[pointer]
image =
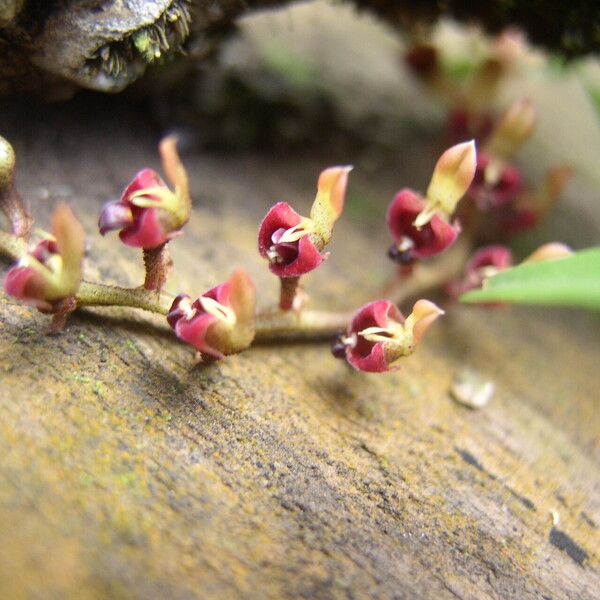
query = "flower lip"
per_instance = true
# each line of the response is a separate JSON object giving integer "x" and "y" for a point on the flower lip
{"x": 410, "y": 242}
{"x": 114, "y": 215}
{"x": 284, "y": 240}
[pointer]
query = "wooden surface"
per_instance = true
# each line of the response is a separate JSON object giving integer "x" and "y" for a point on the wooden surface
{"x": 279, "y": 473}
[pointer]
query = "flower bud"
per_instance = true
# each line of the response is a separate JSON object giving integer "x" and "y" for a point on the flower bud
{"x": 515, "y": 127}
{"x": 149, "y": 214}
{"x": 378, "y": 337}
{"x": 51, "y": 270}
{"x": 219, "y": 322}
{"x": 549, "y": 251}
{"x": 452, "y": 176}
{"x": 412, "y": 243}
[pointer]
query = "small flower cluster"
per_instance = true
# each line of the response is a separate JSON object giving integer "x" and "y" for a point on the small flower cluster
{"x": 467, "y": 82}
{"x": 500, "y": 202}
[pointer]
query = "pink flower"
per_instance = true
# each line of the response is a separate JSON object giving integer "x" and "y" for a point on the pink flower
{"x": 220, "y": 321}
{"x": 412, "y": 243}
{"x": 420, "y": 225}
{"x": 292, "y": 243}
{"x": 378, "y": 336}
{"x": 284, "y": 240}
{"x": 495, "y": 183}
{"x": 486, "y": 262}
{"x": 51, "y": 270}
{"x": 149, "y": 214}
{"x": 532, "y": 206}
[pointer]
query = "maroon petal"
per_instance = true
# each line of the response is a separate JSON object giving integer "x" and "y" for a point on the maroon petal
{"x": 515, "y": 221}
{"x": 25, "y": 283}
{"x": 176, "y": 312}
{"x": 402, "y": 212}
{"x": 308, "y": 258}
{"x": 508, "y": 187}
{"x": 298, "y": 257}
{"x": 44, "y": 249}
{"x": 146, "y": 178}
{"x": 146, "y": 230}
{"x": 114, "y": 215}
{"x": 194, "y": 332}
{"x": 496, "y": 256}
{"x": 373, "y": 362}
{"x": 431, "y": 239}
{"x": 281, "y": 216}
{"x": 502, "y": 192}
{"x": 435, "y": 237}
{"x": 221, "y": 293}
{"x": 366, "y": 355}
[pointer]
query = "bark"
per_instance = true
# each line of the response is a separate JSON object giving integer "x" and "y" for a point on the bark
{"x": 53, "y": 46}
{"x": 279, "y": 473}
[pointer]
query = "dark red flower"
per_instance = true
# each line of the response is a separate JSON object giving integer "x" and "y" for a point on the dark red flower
{"x": 484, "y": 263}
{"x": 284, "y": 240}
{"x": 149, "y": 214}
{"x": 51, "y": 270}
{"x": 410, "y": 242}
{"x": 292, "y": 243}
{"x": 220, "y": 321}
{"x": 495, "y": 184}
{"x": 379, "y": 336}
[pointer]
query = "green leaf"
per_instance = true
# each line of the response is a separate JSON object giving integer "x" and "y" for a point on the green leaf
{"x": 570, "y": 281}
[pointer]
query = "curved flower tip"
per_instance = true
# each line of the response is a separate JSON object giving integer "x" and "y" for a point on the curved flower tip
{"x": 148, "y": 213}
{"x": 285, "y": 240}
{"x": 52, "y": 269}
{"x": 452, "y": 176}
{"x": 328, "y": 204}
{"x": 495, "y": 183}
{"x": 412, "y": 243}
{"x": 331, "y": 189}
{"x": 549, "y": 251}
{"x": 514, "y": 128}
{"x": 219, "y": 322}
{"x": 484, "y": 263}
{"x": 378, "y": 336}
